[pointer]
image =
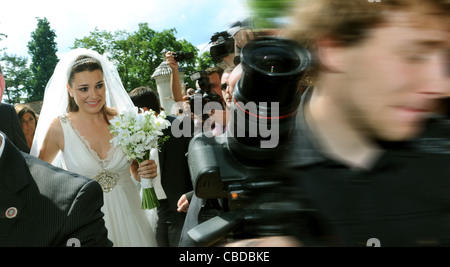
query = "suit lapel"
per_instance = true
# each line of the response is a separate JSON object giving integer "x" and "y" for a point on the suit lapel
{"x": 13, "y": 168}
{"x": 14, "y": 176}
{"x": 11, "y": 209}
{"x": 161, "y": 155}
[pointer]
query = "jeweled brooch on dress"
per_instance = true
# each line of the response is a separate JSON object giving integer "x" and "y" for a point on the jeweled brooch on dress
{"x": 107, "y": 180}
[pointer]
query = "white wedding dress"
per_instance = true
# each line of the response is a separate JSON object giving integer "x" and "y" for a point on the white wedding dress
{"x": 127, "y": 224}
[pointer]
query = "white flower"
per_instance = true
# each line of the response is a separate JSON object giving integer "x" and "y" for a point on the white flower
{"x": 137, "y": 133}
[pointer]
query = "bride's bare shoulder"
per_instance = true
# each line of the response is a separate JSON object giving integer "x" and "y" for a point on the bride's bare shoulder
{"x": 53, "y": 140}
{"x": 56, "y": 126}
{"x": 56, "y": 122}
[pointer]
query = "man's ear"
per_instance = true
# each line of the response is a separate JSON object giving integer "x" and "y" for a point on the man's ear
{"x": 331, "y": 55}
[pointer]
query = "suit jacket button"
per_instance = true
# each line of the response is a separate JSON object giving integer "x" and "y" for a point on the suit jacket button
{"x": 11, "y": 213}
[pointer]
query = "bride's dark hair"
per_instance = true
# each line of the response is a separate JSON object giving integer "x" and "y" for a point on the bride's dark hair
{"x": 85, "y": 63}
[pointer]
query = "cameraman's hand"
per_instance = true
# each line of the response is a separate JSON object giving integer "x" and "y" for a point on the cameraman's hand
{"x": 183, "y": 204}
{"x": 170, "y": 60}
{"x": 243, "y": 36}
{"x": 186, "y": 105}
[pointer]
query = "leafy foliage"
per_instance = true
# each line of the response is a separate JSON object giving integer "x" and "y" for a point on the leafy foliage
{"x": 138, "y": 54}
{"x": 42, "y": 49}
{"x": 17, "y": 77}
{"x": 269, "y": 13}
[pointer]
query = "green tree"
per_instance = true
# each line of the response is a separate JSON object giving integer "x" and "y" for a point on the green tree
{"x": 17, "y": 76}
{"x": 99, "y": 41}
{"x": 42, "y": 49}
{"x": 2, "y": 36}
{"x": 269, "y": 13}
{"x": 204, "y": 61}
{"x": 138, "y": 54}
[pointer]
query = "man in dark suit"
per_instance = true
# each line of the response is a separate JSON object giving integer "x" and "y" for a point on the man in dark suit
{"x": 9, "y": 122}
{"x": 41, "y": 205}
{"x": 175, "y": 177}
{"x": 10, "y": 125}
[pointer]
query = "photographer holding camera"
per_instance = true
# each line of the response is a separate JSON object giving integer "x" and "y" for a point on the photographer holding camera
{"x": 223, "y": 49}
{"x": 381, "y": 69}
{"x": 376, "y": 74}
{"x": 214, "y": 74}
{"x": 209, "y": 95}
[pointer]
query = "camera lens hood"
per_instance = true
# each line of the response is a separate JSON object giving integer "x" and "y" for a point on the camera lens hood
{"x": 266, "y": 96}
{"x": 272, "y": 68}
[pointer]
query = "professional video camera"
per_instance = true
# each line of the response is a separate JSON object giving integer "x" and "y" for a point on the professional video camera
{"x": 223, "y": 45}
{"x": 202, "y": 95}
{"x": 256, "y": 195}
{"x": 181, "y": 56}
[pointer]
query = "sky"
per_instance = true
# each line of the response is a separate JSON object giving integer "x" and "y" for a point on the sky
{"x": 194, "y": 20}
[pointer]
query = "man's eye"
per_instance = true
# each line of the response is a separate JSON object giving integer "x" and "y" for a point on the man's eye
{"x": 416, "y": 58}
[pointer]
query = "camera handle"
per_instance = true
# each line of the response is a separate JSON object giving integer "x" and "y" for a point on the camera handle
{"x": 211, "y": 231}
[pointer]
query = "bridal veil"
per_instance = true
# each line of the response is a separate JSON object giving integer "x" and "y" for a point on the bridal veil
{"x": 56, "y": 95}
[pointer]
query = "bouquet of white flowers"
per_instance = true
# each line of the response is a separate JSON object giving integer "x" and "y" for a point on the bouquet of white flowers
{"x": 137, "y": 134}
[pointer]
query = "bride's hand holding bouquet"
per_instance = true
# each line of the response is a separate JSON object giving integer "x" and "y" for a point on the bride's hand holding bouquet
{"x": 138, "y": 134}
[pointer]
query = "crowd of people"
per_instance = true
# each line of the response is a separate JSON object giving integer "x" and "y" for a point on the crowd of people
{"x": 359, "y": 148}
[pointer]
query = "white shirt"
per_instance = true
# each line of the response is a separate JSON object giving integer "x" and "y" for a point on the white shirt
{"x": 2, "y": 147}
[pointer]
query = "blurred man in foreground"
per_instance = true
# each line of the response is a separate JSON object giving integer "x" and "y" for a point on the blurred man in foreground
{"x": 381, "y": 70}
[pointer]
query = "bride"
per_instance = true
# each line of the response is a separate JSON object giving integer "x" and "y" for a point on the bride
{"x": 84, "y": 93}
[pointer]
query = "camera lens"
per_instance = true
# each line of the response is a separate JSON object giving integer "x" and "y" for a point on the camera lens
{"x": 276, "y": 56}
{"x": 272, "y": 68}
{"x": 266, "y": 94}
{"x": 274, "y": 59}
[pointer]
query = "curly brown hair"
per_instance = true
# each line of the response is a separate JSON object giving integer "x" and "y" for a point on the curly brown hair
{"x": 349, "y": 22}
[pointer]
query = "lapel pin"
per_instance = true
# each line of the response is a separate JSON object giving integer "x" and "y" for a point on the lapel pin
{"x": 11, "y": 213}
